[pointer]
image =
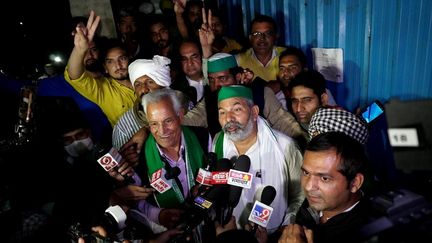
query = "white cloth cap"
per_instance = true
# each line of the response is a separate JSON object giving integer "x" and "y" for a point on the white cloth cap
{"x": 157, "y": 69}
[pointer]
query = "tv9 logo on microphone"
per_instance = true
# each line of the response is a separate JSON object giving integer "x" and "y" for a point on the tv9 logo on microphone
{"x": 260, "y": 214}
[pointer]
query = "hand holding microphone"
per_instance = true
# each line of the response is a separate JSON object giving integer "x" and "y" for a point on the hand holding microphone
{"x": 261, "y": 211}
{"x": 161, "y": 179}
{"x": 116, "y": 166}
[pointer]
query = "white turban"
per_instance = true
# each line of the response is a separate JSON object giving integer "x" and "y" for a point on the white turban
{"x": 156, "y": 68}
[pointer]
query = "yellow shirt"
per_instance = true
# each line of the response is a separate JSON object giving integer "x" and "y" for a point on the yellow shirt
{"x": 268, "y": 72}
{"x": 232, "y": 45}
{"x": 112, "y": 97}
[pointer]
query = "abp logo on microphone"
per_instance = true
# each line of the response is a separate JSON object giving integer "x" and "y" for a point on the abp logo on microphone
{"x": 240, "y": 178}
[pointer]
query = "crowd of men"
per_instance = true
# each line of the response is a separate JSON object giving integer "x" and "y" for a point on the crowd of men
{"x": 170, "y": 102}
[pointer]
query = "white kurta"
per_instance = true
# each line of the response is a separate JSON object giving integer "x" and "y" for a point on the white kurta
{"x": 276, "y": 157}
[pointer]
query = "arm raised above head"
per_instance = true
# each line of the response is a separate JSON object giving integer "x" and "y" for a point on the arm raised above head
{"x": 83, "y": 36}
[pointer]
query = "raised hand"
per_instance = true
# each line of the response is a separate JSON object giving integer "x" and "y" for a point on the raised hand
{"x": 206, "y": 34}
{"x": 179, "y": 6}
{"x": 245, "y": 77}
{"x": 85, "y": 34}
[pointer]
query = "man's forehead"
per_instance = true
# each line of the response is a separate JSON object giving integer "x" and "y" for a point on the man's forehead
{"x": 188, "y": 48}
{"x": 261, "y": 26}
{"x": 143, "y": 79}
{"x": 157, "y": 26}
{"x": 323, "y": 161}
{"x": 163, "y": 107}
{"x": 115, "y": 52}
{"x": 219, "y": 74}
{"x": 301, "y": 91}
{"x": 288, "y": 59}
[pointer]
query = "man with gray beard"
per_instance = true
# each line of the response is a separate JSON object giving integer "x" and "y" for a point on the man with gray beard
{"x": 275, "y": 158}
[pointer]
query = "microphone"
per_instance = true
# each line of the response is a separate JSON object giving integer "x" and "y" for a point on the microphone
{"x": 261, "y": 211}
{"x": 171, "y": 174}
{"x": 220, "y": 174}
{"x": 199, "y": 210}
{"x": 237, "y": 179}
{"x": 164, "y": 183}
{"x": 204, "y": 175}
{"x": 207, "y": 198}
{"x": 110, "y": 160}
{"x": 217, "y": 175}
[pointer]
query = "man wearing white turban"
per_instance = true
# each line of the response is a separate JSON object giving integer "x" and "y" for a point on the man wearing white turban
{"x": 146, "y": 75}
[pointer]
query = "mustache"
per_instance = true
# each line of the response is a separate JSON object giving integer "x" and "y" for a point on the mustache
{"x": 233, "y": 124}
{"x": 309, "y": 194}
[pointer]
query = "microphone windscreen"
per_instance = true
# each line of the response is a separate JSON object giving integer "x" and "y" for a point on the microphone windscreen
{"x": 217, "y": 193}
{"x": 223, "y": 164}
{"x": 268, "y": 195}
{"x": 210, "y": 160}
{"x": 242, "y": 163}
{"x": 174, "y": 172}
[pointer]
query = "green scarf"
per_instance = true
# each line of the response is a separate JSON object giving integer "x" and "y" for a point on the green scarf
{"x": 194, "y": 154}
{"x": 219, "y": 145}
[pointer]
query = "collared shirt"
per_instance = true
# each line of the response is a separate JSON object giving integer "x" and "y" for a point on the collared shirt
{"x": 198, "y": 85}
{"x": 111, "y": 96}
{"x": 181, "y": 164}
{"x": 346, "y": 210}
{"x": 268, "y": 72}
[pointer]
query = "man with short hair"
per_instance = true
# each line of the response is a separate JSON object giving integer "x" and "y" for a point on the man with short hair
{"x": 275, "y": 158}
{"x": 223, "y": 71}
{"x": 292, "y": 62}
{"x": 191, "y": 81}
{"x": 113, "y": 94}
{"x": 170, "y": 145}
{"x": 263, "y": 57}
{"x": 308, "y": 93}
{"x": 333, "y": 175}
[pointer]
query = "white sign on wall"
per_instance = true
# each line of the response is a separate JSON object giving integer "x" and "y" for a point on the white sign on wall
{"x": 329, "y": 62}
{"x": 403, "y": 137}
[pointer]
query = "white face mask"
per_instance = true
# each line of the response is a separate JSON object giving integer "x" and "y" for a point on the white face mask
{"x": 79, "y": 147}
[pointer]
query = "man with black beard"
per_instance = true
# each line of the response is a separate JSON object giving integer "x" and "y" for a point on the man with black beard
{"x": 275, "y": 158}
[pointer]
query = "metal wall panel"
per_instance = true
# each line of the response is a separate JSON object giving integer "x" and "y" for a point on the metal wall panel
{"x": 387, "y": 44}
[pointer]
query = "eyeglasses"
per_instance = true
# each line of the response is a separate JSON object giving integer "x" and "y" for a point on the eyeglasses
{"x": 266, "y": 34}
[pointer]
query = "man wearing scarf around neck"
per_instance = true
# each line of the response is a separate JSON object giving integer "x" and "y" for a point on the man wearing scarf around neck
{"x": 170, "y": 145}
{"x": 275, "y": 158}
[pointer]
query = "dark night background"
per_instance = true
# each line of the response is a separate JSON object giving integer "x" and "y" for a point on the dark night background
{"x": 45, "y": 30}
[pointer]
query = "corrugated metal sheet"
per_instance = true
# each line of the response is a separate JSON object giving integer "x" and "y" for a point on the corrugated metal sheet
{"x": 387, "y": 44}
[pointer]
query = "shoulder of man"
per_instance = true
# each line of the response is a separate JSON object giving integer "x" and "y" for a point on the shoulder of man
{"x": 279, "y": 49}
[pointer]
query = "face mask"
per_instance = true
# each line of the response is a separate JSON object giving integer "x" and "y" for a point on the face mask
{"x": 79, "y": 147}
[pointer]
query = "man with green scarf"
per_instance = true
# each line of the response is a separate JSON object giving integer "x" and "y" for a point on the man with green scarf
{"x": 170, "y": 145}
{"x": 275, "y": 158}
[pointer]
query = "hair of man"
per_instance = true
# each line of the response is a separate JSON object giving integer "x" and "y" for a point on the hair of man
{"x": 352, "y": 155}
{"x": 162, "y": 94}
